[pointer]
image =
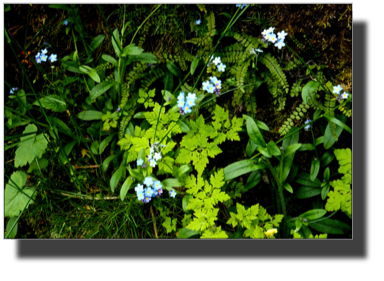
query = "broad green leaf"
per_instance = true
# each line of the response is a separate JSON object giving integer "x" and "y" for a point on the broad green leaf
{"x": 107, "y": 161}
{"x": 239, "y": 168}
{"x": 315, "y": 168}
{"x": 109, "y": 59}
{"x": 168, "y": 184}
{"x": 292, "y": 173}
{"x": 292, "y": 148}
{"x": 306, "y": 146}
{"x": 194, "y": 64}
{"x": 251, "y": 147}
{"x": 96, "y": 42}
{"x": 338, "y": 123}
{"x": 264, "y": 151}
{"x": 38, "y": 165}
{"x": 186, "y": 199}
{"x": 326, "y": 174}
{"x": 262, "y": 125}
{"x": 116, "y": 177}
{"x": 131, "y": 50}
{"x": 273, "y": 149}
{"x": 14, "y": 200}
{"x": 185, "y": 233}
{"x": 288, "y": 187}
{"x": 168, "y": 81}
{"x": 30, "y": 147}
{"x": 313, "y": 214}
{"x": 308, "y": 89}
{"x": 182, "y": 170}
{"x": 53, "y": 102}
{"x": 105, "y": 143}
{"x": 330, "y": 226}
{"x": 90, "y": 115}
{"x": 288, "y": 160}
{"x": 307, "y": 191}
{"x": 12, "y": 223}
{"x": 100, "y": 89}
{"x": 135, "y": 174}
{"x": 91, "y": 72}
{"x": 325, "y": 190}
{"x": 67, "y": 149}
{"x": 61, "y": 126}
{"x": 174, "y": 69}
{"x": 329, "y": 140}
{"x": 184, "y": 127}
{"x": 327, "y": 158}
{"x": 126, "y": 186}
{"x": 292, "y": 139}
{"x": 254, "y": 132}
{"x": 144, "y": 57}
{"x": 253, "y": 179}
{"x": 305, "y": 179}
{"x": 298, "y": 224}
{"x": 95, "y": 147}
{"x": 116, "y": 42}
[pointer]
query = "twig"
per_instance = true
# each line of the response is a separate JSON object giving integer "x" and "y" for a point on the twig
{"x": 154, "y": 222}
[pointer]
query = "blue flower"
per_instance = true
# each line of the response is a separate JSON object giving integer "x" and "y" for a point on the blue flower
{"x": 139, "y": 188}
{"x": 180, "y": 103}
{"x": 53, "y": 58}
{"x": 187, "y": 109}
{"x": 272, "y": 38}
{"x": 65, "y": 22}
{"x": 152, "y": 163}
{"x": 140, "y": 196}
{"x": 157, "y": 185}
{"x": 260, "y": 51}
{"x": 337, "y": 89}
{"x": 159, "y": 192}
{"x": 157, "y": 156}
{"x": 221, "y": 67}
{"x": 213, "y": 79}
{"x": 44, "y": 51}
{"x": 43, "y": 57}
{"x": 205, "y": 85}
{"x": 191, "y": 97}
{"x": 148, "y": 181}
{"x": 238, "y": 5}
{"x": 282, "y": 34}
{"x": 309, "y": 125}
{"x": 344, "y": 95}
{"x": 148, "y": 191}
{"x": 270, "y": 30}
{"x": 198, "y": 22}
{"x": 140, "y": 162}
{"x": 218, "y": 86}
{"x": 280, "y": 44}
{"x": 172, "y": 193}
{"x": 216, "y": 61}
{"x": 210, "y": 88}
{"x": 265, "y": 32}
{"x": 190, "y": 102}
{"x": 12, "y": 91}
{"x": 147, "y": 199}
{"x": 181, "y": 96}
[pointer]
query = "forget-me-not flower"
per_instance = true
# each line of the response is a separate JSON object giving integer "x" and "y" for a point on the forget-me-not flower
{"x": 198, "y": 22}
{"x": 44, "y": 51}
{"x": 210, "y": 88}
{"x": 344, "y": 95}
{"x": 282, "y": 34}
{"x": 157, "y": 185}
{"x": 172, "y": 193}
{"x": 309, "y": 125}
{"x": 139, "y": 162}
{"x": 152, "y": 163}
{"x": 53, "y": 58}
{"x": 157, "y": 156}
{"x": 191, "y": 96}
{"x": 65, "y": 22}
{"x": 216, "y": 61}
{"x": 221, "y": 67}
{"x": 280, "y": 44}
{"x": 148, "y": 181}
{"x": 337, "y": 89}
{"x": 139, "y": 188}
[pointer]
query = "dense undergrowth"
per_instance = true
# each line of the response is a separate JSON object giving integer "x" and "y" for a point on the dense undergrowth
{"x": 177, "y": 121}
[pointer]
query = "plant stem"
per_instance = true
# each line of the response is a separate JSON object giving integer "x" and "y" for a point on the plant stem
{"x": 154, "y": 222}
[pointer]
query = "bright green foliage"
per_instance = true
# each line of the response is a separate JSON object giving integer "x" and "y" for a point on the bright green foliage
{"x": 14, "y": 200}
{"x": 296, "y": 88}
{"x": 134, "y": 144}
{"x": 195, "y": 146}
{"x": 110, "y": 120}
{"x": 186, "y": 220}
{"x": 255, "y": 219}
{"x": 341, "y": 197}
{"x": 30, "y": 146}
{"x": 297, "y": 235}
{"x": 296, "y": 115}
{"x": 206, "y": 196}
{"x": 225, "y": 128}
{"x": 276, "y": 71}
{"x": 146, "y": 98}
{"x": 53, "y": 102}
{"x": 169, "y": 224}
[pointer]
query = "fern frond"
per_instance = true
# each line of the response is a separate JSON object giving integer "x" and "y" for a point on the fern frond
{"x": 275, "y": 69}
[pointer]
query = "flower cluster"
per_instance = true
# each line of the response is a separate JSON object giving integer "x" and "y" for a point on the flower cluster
{"x": 186, "y": 104}
{"x": 153, "y": 157}
{"x": 271, "y": 37}
{"x": 213, "y": 85}
{"x": 340, "y": 96}
{"x": 241, "y": 5}
{"x": 152, "y": 189}
{"x": 13, "y": 90}
{"x": 309, "y": 125}
{"x": 217, "y": 61}
{"x": 43, "y": 56}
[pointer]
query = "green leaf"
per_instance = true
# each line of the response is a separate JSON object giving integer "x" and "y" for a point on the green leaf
{"x": 170, "y": 225}
{"x": 90, "y": 115}
{"x": 253, "y": 179}
{"x": 329, "y": 140}
{"x": 100, "y": 89}
{"x": 116, "y": 42}
{"x": 184, "y": 127}
{"x": 306, "y": 146}
{"x": 91, "y": 72}
{"x": 109, "y": 59}
{"x": 288, "y": 187}
{"x": 61, "y": 126}
{"x": 326, "y": 174}
{"x": 107, "y": 161}
{"x": 338, "y": 123}
{"x": 131, "y": 50}
{"x": 254, "y": 132}
{"x": 7, "y": 8}
{"x": 14, "y": 200}
{"x": 325, "y": 190}
{"x": 262, "y": 125}
{"x": 95, "y": 147}
{"x": 251, "y": 147}
{"x": 144, "y": 57}
{"x": 174, "y": 69}
{"x": 239, "y": 168}
{"x": 185, "y": 203}
{"x": 53, "y": 102}
{"x": 67, "y": 149}
{"x": 305, "y": 179}
{"x": 30, "y": 147}
{"x": 194, "y": 64}
{"x": 41, "y": 164}
{"x": 308, "y": 89}
{"x": 96, "y": 42}
{"x": 273, "y": 149}
{"x": 105, "y": 143}
{"x": 330, "y": 226}
{"x": 135, "y": 174}
{"x": 313, "y": 214}
{"x": 185, "y": 233}
{"x": 292, "y": 148}
{"x": 12, "y": 223}
{"x": 22, "y": 101}
{"x": 116, "y": 178}
{"x": 168, "y": 184}
{"x": 126, "y": 186}
{"x": 264, "y": 151}
{"x": 168, "y": 81}
{"x": 327, "y": 158}
{"x": 315, "y": 168}
{"x": 307, "y": 191}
